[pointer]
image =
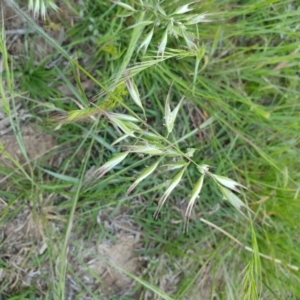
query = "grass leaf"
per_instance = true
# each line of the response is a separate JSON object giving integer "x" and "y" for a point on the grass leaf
{"x": 62, "y": 177}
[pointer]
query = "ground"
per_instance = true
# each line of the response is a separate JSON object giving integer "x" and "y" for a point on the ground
{"x": 99, "y": 263}
{"x": 67, "y": 230}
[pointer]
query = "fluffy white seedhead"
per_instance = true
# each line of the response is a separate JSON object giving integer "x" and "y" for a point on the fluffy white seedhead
{"x": 39, "y": 7}
{"x": 134, "y": 93}
{"x": 163, "y": 43}
{"x": 194, "y": 195}
{"x": 146, "y": 149}
{"x": 124, "y": 5}
{"x": 146, "y": 41}
{"x": 170, "y": 116}
{"x": 109, "y": 165}
{"x": 199, "y": 19}
{"x": 227, "y": 182}
{"x": 183, "y": 9}
{"x": 174, "y": 182}
{"x": 234, "y": 200}
{"x": 144, "y": 174}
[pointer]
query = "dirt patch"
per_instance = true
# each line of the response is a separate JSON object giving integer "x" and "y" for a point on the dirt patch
{"x": 36, "y": 143}
{"x": 121, "y": 254}
{"x": 10, "y": 18}
{"x": 104, "y": 265}
{"x": 22, "y": 238}
{"x": 21, "y": 37}
{"x": 99, "y": 267}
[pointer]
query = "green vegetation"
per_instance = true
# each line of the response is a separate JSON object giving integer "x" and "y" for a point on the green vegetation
{"x": 162, "y": 111}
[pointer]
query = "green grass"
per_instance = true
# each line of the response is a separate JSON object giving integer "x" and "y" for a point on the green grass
{"x": 241, "y": 87}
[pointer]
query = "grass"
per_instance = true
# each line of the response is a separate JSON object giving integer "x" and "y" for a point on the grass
{"x": 238, "y": 70}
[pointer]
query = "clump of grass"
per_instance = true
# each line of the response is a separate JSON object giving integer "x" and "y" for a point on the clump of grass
{"x": 235, "y": 63}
